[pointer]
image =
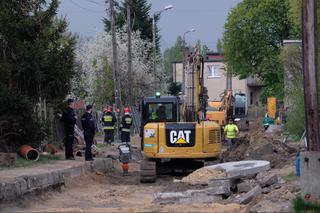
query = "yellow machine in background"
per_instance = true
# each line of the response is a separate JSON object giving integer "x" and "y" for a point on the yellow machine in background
{"x": 272, "y": 107}
{"x": 169, "y": 144}
{"x": 220, "y": 111}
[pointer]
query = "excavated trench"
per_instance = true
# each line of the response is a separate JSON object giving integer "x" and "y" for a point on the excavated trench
{"x": 113, "y": 192}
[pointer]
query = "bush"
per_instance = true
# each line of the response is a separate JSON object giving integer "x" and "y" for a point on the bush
{"x": 300, "y": 205}
{"x": 18, "y": 123}
{"x": 291, "y": 58}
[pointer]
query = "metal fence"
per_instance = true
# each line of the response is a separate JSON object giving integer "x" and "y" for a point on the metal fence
{"x": 256, "y": 112}
{"x": 136, "y": 115}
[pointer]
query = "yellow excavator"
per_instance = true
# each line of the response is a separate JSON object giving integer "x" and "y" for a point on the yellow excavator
{"x": 221, "y": 111}
{"x": 170, "y": 144}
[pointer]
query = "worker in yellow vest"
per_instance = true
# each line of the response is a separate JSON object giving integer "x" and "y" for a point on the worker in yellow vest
{"x": 231, "y": 131}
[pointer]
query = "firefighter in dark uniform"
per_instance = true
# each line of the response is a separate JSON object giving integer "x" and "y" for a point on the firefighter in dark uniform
{"x": 88, "y": 125}
{"x": 108, "y": 121}
{"x": 69, "y": 119}
{"x": 125, "y": 126}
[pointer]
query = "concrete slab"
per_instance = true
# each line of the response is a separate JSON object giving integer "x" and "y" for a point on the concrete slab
{"x": 310, "y": 173}
{"x": 14, "y": 183}
{"x": 244, "y": 187}
{"x": 248, "y": 197}
{"x": 268, "y": 180}
{"x": 242, "y": 168}
{"x": 186, "y": 197}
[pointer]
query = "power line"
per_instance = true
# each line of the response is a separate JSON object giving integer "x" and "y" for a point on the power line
{"x": 97, "y": 3}
{"x": 86, "y": 9}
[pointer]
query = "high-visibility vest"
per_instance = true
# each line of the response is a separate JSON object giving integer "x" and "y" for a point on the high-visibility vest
{"x": 107, "y": 118}
{"x": 108, "y": 127}
{"x": 231, "y": 130}
{"x": 126, "y": 123}
{"x": 154, "y": 116}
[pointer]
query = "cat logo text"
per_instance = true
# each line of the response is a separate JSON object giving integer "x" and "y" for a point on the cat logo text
{"x": 180, "y": 137}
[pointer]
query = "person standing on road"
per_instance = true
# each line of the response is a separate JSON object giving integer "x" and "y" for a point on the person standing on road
{"x": 125, "y": 126}
{"x": 88, "y": 125}
{"x": 108, "y": 121}
{"x": 231, "y": 130}
{"x": 69, "y": 119}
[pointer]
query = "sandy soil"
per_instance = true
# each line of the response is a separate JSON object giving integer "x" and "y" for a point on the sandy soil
{"x": 113, "y": 192}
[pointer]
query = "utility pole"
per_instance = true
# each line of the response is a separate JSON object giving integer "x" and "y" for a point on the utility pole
{"x": 309, "y": 163}
{"x": 310, "y": 74}
{"x": 154, "y": 50}
{"x": 115, "y": 67}
{"x": 129, "y": 55}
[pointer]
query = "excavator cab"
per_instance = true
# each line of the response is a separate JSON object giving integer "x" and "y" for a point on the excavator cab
{"x": 158, "y": 109}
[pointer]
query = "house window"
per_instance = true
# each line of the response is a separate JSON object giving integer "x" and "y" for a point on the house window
{"x": 214, "y": 71}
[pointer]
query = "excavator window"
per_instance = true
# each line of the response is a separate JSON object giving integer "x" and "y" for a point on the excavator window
{"x": 160, "y": 112}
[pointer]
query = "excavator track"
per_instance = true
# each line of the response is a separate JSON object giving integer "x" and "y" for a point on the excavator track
{"x": 148, "y": 171}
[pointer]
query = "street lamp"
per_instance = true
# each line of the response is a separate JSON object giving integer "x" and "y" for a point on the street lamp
{"x": 189, "y": 31}
{"x": 157, "y": 13}
{"x": 184, "y": 60}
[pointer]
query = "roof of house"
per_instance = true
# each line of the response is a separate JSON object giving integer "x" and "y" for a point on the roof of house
{"x": 210, "y": 57}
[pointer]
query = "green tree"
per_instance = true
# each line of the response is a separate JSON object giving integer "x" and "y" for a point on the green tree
{"x": 295, "y": 12}
{"x": 172, "y": 54}
{"x": 104, "y": 86}
{"x": 252, "y": 40}
{"x": 140, "y": 17}
{"x": 220, "y": 46}
{"x": 36, "y": 61}
{"x": 174, "y": 88}
{"x": 292, "y": 60}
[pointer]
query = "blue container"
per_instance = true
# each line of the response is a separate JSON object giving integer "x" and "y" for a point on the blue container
{"x": 298, "y": 164}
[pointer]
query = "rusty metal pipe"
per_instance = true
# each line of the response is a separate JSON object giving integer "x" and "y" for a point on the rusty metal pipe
{"x": 28, "y": 153}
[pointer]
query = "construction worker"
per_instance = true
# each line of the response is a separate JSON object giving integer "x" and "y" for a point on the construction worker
{"x": 231, "y": 130}
{"x": 161, "y": 112}
{"x": 108, "y": 120}
{"x": 69, "y": 119}
{"x": 88, "y": 125}
{"x": 125, "y": 126}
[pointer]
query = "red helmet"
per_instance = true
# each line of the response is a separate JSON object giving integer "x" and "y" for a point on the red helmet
{"x": 109, "y": 109}
{"x": 126, "y": 110}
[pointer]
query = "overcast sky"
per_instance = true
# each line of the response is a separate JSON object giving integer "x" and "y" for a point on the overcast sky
{"x": 206, "y": 16}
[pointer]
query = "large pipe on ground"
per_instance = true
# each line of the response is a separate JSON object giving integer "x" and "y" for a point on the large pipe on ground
{"x": 28, "y": 153}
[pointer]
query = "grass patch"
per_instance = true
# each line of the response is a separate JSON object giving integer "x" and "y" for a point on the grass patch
{"x": 300, "y": 206}
{"x": 21, "y": 162}
{"x": 294, "y": 138}
{"x": 289, "y": 177}
{"x": 101, "y": 145}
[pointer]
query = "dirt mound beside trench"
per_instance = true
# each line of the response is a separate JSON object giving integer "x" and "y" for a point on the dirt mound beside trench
{"x": 203, "y": 175}
{"x": 259, "y": 146}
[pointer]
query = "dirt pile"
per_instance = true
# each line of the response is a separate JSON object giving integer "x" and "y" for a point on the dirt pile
{"x": 203, "y": 175}
{"x": 257, "y": 145}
